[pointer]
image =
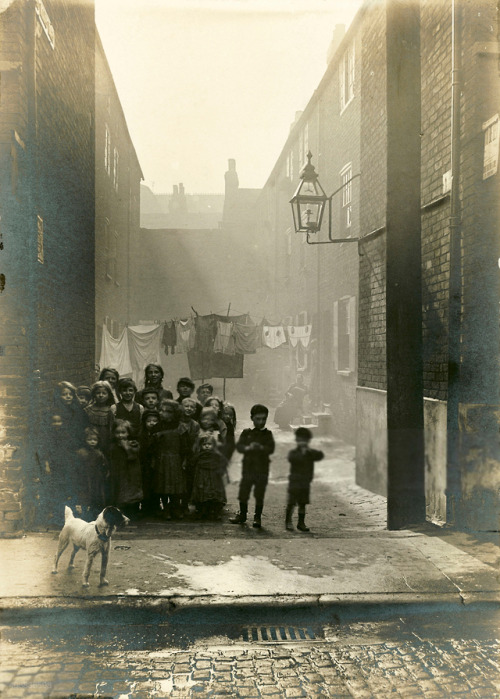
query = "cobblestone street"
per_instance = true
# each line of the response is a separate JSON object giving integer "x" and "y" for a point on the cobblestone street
{"x": 360, "y": 660}
{"x": 417, "y": 667}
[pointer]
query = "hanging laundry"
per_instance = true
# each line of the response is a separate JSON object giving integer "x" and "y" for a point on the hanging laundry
{"x": 227, "y": 366}
{"x": 115, "y": 353}
{"x": 206, "y": 329}
{"x": 224, "y": 340}
{"x": 247, "y": 338}
{"x": 186, "y": 335}
{"x": 298, "y": 333}
{"x": 144, "y": 345}
{"x": 208, "y": 365}
{"x": 273, "y": 336}
{"x": 169, "y": 339}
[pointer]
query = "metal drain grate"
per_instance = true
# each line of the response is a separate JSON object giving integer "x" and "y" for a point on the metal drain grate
{"x": 277, "y": 634}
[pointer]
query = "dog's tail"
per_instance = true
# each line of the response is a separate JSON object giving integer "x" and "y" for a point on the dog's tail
{"x": 68, "y": 514}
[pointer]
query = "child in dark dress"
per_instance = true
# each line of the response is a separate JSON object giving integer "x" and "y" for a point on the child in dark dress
{"x": 99, "y": 414}
{"x": 190, "y": 428}
{"x": 94, "y": 475}
{"x": 57, "y": 478}
{"x": 229, "y": 417}
{"x": 126, "y": 408}
{"x": 301, "y": 460}
{"x": 256, "y": 445}
{"x": 126, "y": 476}
{"x": 208, "y": 492}
{"x": 74, "y": 419}
{"x": 151, "y": 503}
{"x": 169, "y": 480}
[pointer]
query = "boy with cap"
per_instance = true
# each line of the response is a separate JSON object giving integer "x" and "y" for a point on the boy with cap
{"x": 256, "y": 445}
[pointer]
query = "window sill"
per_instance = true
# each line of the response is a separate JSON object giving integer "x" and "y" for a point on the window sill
{"x": 117, "y": 283}
{"x": 344, "y": 372}
{"x": 108, "y": 276}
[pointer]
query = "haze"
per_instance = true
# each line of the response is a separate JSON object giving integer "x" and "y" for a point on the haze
{"x": 201, "y": 82}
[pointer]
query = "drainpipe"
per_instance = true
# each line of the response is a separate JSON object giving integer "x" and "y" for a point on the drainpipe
{"x": 455, "y": 278}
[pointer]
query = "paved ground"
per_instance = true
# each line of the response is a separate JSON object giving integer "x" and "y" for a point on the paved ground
{"x": 172, "y": 621}
{"x": 405, "y": 657}
{"x": 348, "y": 552}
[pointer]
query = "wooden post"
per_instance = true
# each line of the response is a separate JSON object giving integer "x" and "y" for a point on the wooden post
{"x": 224, "y": 381}
{"x": 405, "y": 418}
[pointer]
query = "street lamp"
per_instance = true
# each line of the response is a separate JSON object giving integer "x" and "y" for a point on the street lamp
{"x": 308, "y": 206}
{"x": 308, "y": 202}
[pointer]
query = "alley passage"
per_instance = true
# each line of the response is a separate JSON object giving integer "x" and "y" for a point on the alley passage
{"x": 338, "y": 506}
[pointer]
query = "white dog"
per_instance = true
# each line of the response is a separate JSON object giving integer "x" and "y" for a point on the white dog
{"x": 92, "y": 536}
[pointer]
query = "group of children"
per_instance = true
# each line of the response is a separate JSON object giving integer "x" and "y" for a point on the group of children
{"x": 150, "y": 454}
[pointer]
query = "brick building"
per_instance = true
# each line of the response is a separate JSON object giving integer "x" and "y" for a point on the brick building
{"x": 318, "y": 284}
{"x": 47, "y": 130}
{"x": 180, "y": 209}
{"x": 341, "y": 288}
{"x": 476, "y": 377}
{"x": 117, "y": 204}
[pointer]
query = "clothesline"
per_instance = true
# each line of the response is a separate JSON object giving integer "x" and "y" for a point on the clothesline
{"x": 215, "y": 344}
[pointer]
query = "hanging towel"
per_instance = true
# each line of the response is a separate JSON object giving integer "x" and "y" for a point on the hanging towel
{"x": 246, "y": 338}
{"x": 169, "y": 338}
{"x": 144, "y": 345}
{"x": 115, "y": 353}
{"x": 224, "y": 340}
{"x": 300, "y": 332}
{"x": 186, "y": 335}
{"x": 273, "y": 336}
{"x": 208, "y": 365}
{"x": 206, "y": 329}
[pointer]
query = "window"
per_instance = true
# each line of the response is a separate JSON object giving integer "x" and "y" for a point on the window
{"x": 115, "y": 169}
{"x": 107, "y": 150}
{"x": 346, "y": 177}
{"x": 44, "y": 20}
{"x": 112, "y": 257}
{"x": 344, "y": 334}
{"x": 346, "y": 77}
{"x": 491, "y": 142}
{"x": 39, "y": 225}
{"x": 107, "y": 240}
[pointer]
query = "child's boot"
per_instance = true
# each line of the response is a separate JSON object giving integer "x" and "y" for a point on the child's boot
{"x": 241, "y": 517}
{"x": 288, "y": 518}
{"x": 301, "y": 526}
{"x": 257, "y": 521}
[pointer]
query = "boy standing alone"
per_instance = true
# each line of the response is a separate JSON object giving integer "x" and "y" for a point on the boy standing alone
{"x": 301, "y": 460}
{"x": 256, "y": 445}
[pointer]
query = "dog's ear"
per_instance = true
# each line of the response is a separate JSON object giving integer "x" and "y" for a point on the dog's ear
{"x": 113, "y": 516}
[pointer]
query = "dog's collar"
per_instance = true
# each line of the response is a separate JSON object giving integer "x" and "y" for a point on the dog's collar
{"x": 101, "y": 535}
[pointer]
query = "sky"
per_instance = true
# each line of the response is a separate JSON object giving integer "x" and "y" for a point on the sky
{"x": 202, "y": 81}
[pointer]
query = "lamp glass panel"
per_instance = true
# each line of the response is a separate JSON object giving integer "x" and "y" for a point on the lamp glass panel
{"x": 310, "y": 214}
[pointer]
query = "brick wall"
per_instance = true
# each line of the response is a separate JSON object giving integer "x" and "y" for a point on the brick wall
{"x": 46, "y": 132}
{"x": 371, "y": 352}
{"x": 117, "y": 204}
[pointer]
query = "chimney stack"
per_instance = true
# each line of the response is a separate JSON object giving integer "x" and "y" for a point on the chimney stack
{"x": 338, "y": 35}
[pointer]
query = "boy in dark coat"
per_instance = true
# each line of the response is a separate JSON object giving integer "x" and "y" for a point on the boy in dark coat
{"x": 301, "y": 460}
{"x": 256, "y": 445}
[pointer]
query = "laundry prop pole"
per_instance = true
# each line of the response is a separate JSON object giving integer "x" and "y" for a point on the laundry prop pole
{"x": 224, "y": 382}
